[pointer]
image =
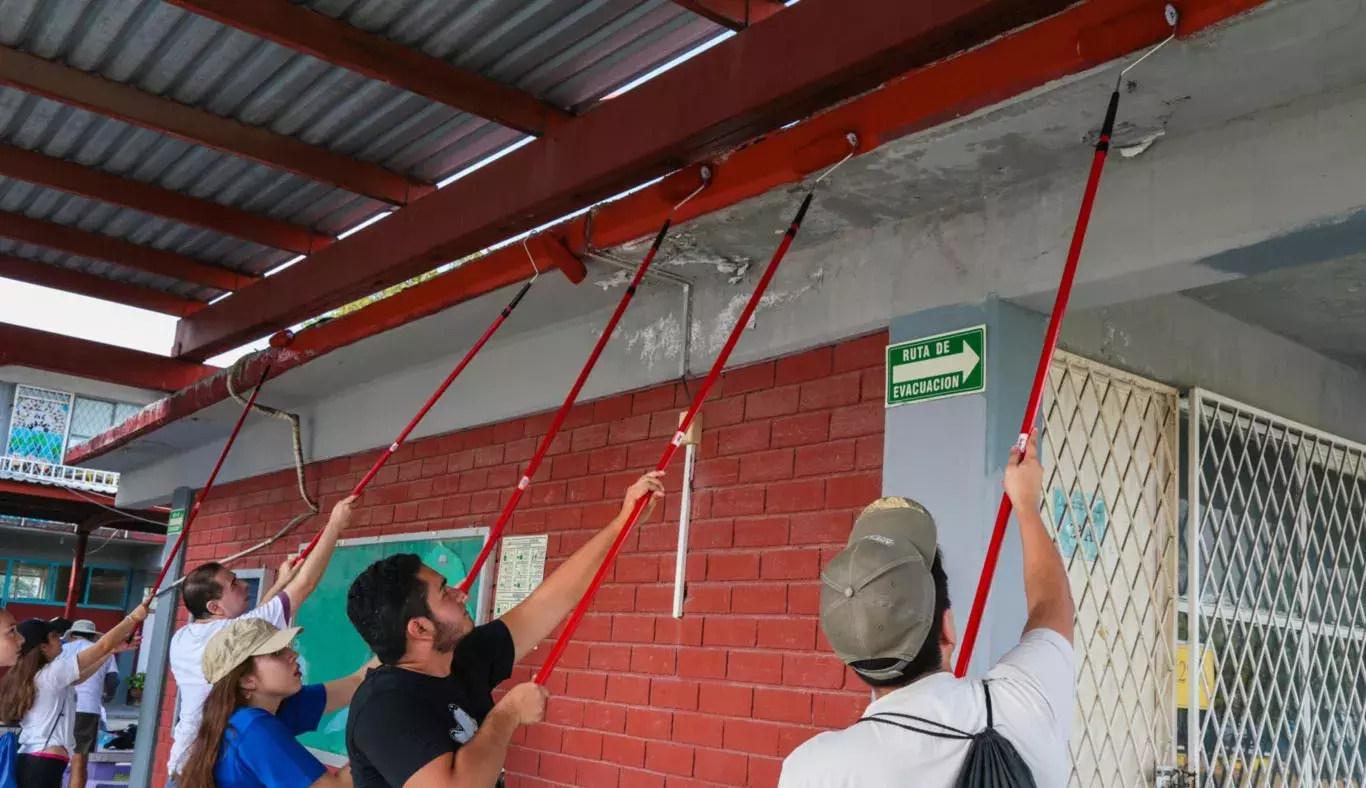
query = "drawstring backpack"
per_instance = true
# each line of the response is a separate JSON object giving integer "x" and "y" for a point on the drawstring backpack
{"x": 992, "y": 761}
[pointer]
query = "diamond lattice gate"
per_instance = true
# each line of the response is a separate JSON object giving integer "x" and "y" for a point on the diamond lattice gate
{"x": 1278, "y": 520}
{"x": 1110, "y": 449}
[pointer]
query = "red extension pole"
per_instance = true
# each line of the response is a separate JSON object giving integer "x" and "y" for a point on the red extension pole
{"x": 1069, "y": 273}
{"x": 436, "y": 395}
{"x": 535, "y": 464}
{"x": 544, "y": 673}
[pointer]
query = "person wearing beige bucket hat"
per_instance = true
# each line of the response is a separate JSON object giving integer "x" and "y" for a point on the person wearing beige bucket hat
{"x": 256, "y": 707}
{"x": 885, "y": 611}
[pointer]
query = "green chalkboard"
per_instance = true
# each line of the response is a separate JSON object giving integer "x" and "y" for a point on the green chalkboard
{"x": 329, "y": 647}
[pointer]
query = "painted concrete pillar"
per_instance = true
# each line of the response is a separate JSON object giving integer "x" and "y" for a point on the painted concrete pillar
{"x": 948, "y": 449}
{"x": 157, "y": 642}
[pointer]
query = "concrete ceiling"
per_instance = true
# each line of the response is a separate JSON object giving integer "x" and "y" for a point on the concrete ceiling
{"x": 1319, "y": 306}
{"x": 1277, "y": 54}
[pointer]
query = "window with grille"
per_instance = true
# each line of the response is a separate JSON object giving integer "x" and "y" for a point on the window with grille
{"x": 90, "y": 417}
{"x": 1279, "y": 514}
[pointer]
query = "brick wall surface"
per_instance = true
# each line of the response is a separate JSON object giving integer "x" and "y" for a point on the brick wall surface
{"x": 791, "y": 450}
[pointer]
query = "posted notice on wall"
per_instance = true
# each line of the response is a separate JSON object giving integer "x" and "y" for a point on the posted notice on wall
{"x": 521, "y": 567}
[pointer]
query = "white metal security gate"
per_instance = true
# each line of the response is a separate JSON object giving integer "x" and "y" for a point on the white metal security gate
{"x": 1110, "y": 448}
{"x": 1278, "y": 521}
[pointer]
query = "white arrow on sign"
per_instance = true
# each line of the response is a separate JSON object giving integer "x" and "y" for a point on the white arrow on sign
{"x": 963, "y": 363}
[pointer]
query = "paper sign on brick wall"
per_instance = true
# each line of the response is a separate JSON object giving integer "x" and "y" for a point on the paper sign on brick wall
{"x": 521, "y": 567}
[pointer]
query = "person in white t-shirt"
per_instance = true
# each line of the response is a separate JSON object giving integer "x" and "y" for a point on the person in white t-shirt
{"x": 38, "y": 693}
{"x": 89, "y": 697}
{"x": 214, "y": 596}
{"x": 885, "y": 611}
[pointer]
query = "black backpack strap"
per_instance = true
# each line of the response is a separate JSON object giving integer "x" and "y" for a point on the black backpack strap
{"x": 931, "y": 728}
{"x": 986, "y": 693}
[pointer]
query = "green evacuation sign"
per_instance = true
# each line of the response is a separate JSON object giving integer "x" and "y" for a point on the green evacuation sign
{"x": 175, "y": 522}
{"x": 936, "y": 367}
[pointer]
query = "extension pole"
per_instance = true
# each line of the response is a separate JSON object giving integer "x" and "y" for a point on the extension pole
{"x": 577, "y": 616}
{"x": 431, "y": 401}
{"x": 1050, "y": 343}
{"x": 572, "y": 397}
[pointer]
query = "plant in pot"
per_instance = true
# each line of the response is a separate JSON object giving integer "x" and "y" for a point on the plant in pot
{"x": 135, "y": 685}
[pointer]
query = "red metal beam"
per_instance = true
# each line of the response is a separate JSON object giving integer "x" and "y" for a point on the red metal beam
{"x": 153, "y": 200}
{"x": 29, "y": 347}
{"x": 801, "y": 60}
{"x": 734, "y": 14}
{"x": 65, "y": 279}
{"x": 1084, "y": 36}
{"x": 1080, "y": 38}
{"x": 77, "y": 88}
{"x": 73, "y": 240}
{"x": 305, "y": 30}
{"x": 475, "y": 278}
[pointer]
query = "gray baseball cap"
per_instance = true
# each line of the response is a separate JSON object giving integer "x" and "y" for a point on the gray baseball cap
{"x": 877, "y": 596}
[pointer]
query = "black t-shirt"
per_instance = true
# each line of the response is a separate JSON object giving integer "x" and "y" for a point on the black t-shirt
{"x": 400, "y": 720}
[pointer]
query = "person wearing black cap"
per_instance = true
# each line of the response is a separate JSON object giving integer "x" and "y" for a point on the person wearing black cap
{"x": 885, "y": 611}
{"x": 39, "y": 694}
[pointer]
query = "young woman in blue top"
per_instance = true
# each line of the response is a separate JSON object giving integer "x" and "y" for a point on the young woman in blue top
{"x": 257, "y": 705}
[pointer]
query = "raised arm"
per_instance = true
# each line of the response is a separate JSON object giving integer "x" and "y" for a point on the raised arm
{"x": 311, "y": 571}
{"x": 340, "y": 691}
{"x": 89, "y": 661}
{"x": 537, "y": 616}
{"x": 479, "y": 763}
{"x": 1048, "y": 594}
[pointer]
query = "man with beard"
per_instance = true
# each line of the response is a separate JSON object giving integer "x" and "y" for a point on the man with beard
{"x": 426, "y": 717}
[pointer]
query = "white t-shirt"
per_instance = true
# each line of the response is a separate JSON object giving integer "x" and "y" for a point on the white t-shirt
{"x": 1033, "y": 693}
{"x": 90, "y": 693}
{"x": 52, "y": 720}
{"x": 187, "y": 665}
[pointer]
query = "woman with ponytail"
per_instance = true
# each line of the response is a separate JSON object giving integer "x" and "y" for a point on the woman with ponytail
{"x": 39, "y": 694}
{"x": 257, "y": 704}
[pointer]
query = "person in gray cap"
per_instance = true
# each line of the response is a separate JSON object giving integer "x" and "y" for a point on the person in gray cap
{"x": 885, "y": 611}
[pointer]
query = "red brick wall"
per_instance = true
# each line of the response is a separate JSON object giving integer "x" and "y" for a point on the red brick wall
{"x": 791, "y": 450}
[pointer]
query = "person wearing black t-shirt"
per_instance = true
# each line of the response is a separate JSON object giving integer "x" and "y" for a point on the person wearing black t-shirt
{"x": 426, "y": 717}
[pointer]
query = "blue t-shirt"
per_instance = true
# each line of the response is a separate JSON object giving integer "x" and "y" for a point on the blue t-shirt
{"x": 259, "y": 749}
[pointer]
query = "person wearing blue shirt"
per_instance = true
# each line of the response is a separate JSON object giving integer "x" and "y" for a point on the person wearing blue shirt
{"x": 258, "y": 704}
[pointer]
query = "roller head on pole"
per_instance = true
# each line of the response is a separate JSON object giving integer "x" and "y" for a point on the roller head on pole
{"x": 282, "y": 339}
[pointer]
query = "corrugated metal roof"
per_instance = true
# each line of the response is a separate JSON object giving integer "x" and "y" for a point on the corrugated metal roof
{"x": 570, "y": 53}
